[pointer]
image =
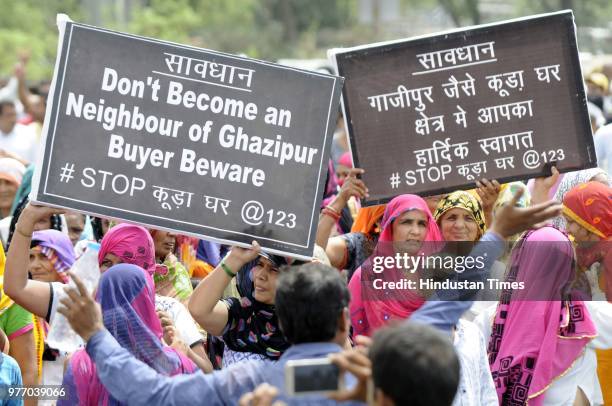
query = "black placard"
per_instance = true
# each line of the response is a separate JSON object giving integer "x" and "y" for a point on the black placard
{"x": 188, "y": 140}
{"x": 434, "y": 114}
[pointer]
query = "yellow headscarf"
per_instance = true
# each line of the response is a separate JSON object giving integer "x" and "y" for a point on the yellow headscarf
{"x": 463, "y": 200}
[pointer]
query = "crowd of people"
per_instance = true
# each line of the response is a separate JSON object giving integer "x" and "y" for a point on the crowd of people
{"x": 176, "y": 320}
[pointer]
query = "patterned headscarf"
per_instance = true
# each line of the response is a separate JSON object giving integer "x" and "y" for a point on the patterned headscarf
{"x": 535, "y": 342}
{"x": 462, "y": 200}
{"x": 590, "y": 205}
{"x": 128, "y": 311}
{"x": 57, "y": 247}
{"x": 571, "y": 180}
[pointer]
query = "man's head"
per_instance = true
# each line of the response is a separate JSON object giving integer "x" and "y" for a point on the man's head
{"x": 8, "y": 116}
{"x": 37, "y": 107}
{"x": 414, "y": 364}
{"x": 312, "y": 304}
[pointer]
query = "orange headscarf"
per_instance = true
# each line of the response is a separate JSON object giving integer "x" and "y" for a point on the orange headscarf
{"x": 367, "y": 218}
{"x": 590, "y": 205}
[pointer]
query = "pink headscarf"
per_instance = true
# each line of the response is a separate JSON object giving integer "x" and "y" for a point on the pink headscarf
{"x": 331, "y": 186}
{"x": 128, "y": 311}
{"x": 346, "y": 160}
{"x": 369, "y": 310}
{"x": 535, "y": 342}
{"x": 133, "y": 244}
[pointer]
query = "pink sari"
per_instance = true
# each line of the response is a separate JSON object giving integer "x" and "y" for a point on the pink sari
{"x": 370, "y": 310}
{"x": 128, "y": 310}
{"x": 535, "y": 342}
{"x": 134, "y": 245}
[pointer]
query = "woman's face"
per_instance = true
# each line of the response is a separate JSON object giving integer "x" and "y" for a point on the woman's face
{"x": 410, "y": 229}
{"x": 7, "y": 194}
{"x": 108, "y": 261}
{"x": 164, "y": 244}
{"x": 341, "y": 173}
{"x": 457, "y": 224}
{"x": 579, "y": 233}
{"x": 41, "y": 268}
{"x": 264, "y": 279}
{"x": 76, "y": 225}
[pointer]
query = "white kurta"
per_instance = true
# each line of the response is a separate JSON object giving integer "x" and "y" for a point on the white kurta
{"x": 476, "y": 384}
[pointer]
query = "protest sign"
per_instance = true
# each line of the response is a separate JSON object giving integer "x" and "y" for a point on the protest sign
{"x": 436, "y": 113}
{"x": 188, "y": 140}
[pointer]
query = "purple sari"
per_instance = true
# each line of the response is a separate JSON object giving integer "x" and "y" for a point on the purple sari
{"x": 128, "y": 310}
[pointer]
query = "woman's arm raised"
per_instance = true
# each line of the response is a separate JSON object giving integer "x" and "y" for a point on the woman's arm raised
{"x": 204, "y": 304}
{"x": 33, "y": 296}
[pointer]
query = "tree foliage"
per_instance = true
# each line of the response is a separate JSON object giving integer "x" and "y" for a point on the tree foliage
{"x": 265, "y": 29}
{"x": 29, "y": 26}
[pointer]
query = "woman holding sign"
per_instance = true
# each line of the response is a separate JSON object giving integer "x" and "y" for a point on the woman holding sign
{"x": 460, "y": 217}
{"x": 51, "y": 256}
{"x": 407, "y": 227}
{"x": 248, "y": 325}
{"x": 348, "y": 251}
{"x": 124, "y": 243}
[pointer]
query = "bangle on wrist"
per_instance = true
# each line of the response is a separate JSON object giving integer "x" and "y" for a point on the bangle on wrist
{"x": 329, "y": 213}
{"x": 227, "y": 270}
{"x": 330, "y": 207}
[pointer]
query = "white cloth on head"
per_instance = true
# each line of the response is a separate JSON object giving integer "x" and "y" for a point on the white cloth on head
{"x": 11, "y": 170}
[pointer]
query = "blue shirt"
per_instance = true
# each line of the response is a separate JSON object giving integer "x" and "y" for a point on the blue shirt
{"x": 10, "y": 374}
{"x": 133, "y": 382}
